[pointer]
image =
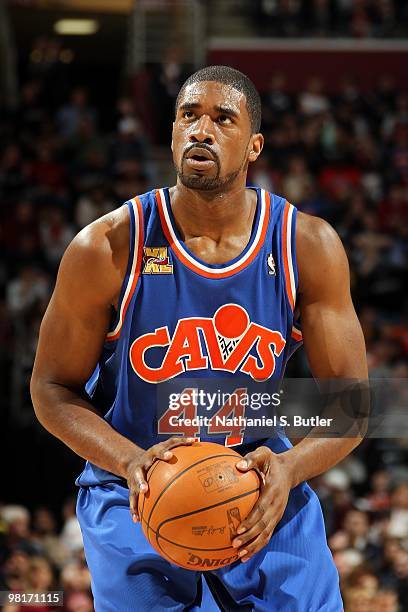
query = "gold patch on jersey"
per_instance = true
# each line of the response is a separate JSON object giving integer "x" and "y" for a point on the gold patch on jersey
{"x": 156, "y": 260}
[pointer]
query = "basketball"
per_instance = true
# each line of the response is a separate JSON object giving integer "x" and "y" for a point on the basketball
{"x": 195, "y": 504}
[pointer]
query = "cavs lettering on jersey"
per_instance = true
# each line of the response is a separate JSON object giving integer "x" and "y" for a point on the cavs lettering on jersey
{"x": 181, "y": 317}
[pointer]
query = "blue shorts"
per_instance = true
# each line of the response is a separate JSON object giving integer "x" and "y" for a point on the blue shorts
{"x": 294, "y": 572}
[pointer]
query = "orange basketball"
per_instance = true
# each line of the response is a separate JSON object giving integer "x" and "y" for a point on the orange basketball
{"x": 195, "y": 503}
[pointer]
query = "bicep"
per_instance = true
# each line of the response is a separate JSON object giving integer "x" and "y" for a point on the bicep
{"x": 75, "y": 324}
{"x": 71, "y": 339}
{"x": 332, "y": 334}
{"x": 333, "y": 341}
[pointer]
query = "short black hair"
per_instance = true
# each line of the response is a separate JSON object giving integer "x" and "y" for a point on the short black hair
{"x": 236, "y": 79}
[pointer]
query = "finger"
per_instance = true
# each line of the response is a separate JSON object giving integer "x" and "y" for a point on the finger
{"x": 254, "y": 459}
{"x": 139, "y": 481}
{"x": 247, "y": 462}
{"x": 244, "y": 538}
{"x": 178, "y": 441}
{"x": 133, "y": 496}
{"x": 262, "y": 505}
{"x": 251, "y": 547}
{"x": 162, "y": 450}
{"x": 163, "y": 454}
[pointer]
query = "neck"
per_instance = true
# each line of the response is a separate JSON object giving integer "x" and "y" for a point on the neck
{"x": 213, "y": 214}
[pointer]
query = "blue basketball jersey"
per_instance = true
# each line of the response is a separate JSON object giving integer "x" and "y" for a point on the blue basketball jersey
{"x": 179, "y": 317}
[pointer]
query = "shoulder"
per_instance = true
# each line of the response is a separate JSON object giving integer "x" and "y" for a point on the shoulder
{"x": 96, "y": 259}
{"x": 316, "y": 238}
{"x": 103, "y": 241}
{"x": 314, "y": 233}
{"x": 319, "y": 252}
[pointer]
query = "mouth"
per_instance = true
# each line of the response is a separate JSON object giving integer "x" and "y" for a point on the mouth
{"x": 200, "y": 159}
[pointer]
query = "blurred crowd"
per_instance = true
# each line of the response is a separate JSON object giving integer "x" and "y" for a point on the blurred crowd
{"x": 356, "y": 18}
{"x": 343, "y": 157}
{"x": 367, "y": 534}
{"x": 37, "y": 555}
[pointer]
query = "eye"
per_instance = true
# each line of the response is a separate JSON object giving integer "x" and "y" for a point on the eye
{"x": 224, "y": 119}
{"x": 187, "y": 115}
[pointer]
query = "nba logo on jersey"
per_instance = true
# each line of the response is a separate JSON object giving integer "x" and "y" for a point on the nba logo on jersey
{"x": 271, "y": 265}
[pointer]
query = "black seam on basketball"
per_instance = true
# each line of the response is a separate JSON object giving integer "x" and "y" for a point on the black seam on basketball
{"x": 145, "y": 522}
{"x": 189, "y": 547}
{"x": 181, "y": 474}
{"x": 177, "y": 562}
{"x": 221, "y": 503}
{"x": 170, "y": 558}
{"x": 149, "y": 529}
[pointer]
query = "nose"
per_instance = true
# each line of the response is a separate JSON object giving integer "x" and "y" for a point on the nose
{"x": 202, "y": 131}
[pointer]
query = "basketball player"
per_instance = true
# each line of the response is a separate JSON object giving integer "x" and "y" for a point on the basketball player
{"x": 141, "y": 297}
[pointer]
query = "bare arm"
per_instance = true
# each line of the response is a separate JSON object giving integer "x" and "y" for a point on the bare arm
{"x": 335, "y": 348}
{"x": 71, "y": 339}
{"x": 332, "y": 334}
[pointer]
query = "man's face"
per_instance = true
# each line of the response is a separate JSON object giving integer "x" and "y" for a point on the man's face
{"x": 212, "y": 136}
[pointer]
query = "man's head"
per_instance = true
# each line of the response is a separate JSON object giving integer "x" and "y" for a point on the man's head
{"x": 215, "y": 132}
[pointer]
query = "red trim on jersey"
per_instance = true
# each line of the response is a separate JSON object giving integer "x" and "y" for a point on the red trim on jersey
{"x": 194, "y": 266}
{"x": 138, "y": 253}
{"x": 285, "y": 254}
{"x": 297, "y": 335}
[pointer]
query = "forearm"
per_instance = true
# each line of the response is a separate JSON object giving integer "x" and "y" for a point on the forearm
{"x": 73, "y": 420}
{"x": 313, "y": 456}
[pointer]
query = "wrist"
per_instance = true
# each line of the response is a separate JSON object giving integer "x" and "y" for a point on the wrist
{"x": 288, "y": 464}
{"x": 287, "y": 460}
{"x": 126, "y": 459}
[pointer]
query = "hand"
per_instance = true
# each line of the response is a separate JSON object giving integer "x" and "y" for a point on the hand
{"x": 256, "y": 530}
{"x": 137, "y": 468}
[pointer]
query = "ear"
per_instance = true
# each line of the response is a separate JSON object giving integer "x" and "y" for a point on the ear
{"x": 257, "y": 143}
{"x": 172, "y": 137}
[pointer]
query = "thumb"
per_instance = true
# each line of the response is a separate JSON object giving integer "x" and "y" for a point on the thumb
{"x": 243, "y": 464}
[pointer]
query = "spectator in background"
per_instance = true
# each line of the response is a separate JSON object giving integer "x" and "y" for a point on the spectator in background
{"x": 393, "y": 209}
{"x": 45, "y": 534}
{"x": 354, "y": 535}
{"x": 27, "y": 289}
{"x": 56, "y": 233}
{"x": 18, "y": 534}
{"x": 70, "y": 116}
{"x": 275, "y": 101}
{"x": 378, "y": 499}
{"x": 313, "y": 101}
{"x": 31, "y": 114}
{"x": 386, "y": 600}
{"x": 28, "y": 559}
{"x": 46, "y": 173}
{"x": 92, "y": 205}
{"x": 167, "y": 78}
{"x": 129, "y": 143}
{"x": 71, "y": 536}
{"x": 15, "y": 569}
{"x": 13, "y": 172}
{"x": 21, "y": 238}
{"x": 263, "y": 176}
{"x": 398, "y": 522}
{"x": 298, "y": 181}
